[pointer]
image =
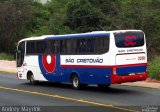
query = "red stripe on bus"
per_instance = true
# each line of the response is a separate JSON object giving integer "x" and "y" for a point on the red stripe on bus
{"x": 96, "y": 66}
{"x": 85, "y": 66}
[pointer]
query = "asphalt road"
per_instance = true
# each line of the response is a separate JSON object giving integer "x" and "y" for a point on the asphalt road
{"x": 62, "y": 98}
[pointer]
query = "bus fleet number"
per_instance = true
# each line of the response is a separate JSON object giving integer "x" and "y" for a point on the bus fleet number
{"x": 141, "y": 58}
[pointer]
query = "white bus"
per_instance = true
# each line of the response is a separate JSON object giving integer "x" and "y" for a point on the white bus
{"x": 100, "y": 57}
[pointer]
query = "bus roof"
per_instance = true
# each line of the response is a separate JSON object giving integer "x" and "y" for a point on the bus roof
{"x": 78, "y": 35}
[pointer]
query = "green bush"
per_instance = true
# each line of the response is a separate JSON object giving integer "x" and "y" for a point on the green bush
{"x": 4, "y": 56}
{"x": 154, "y": 68}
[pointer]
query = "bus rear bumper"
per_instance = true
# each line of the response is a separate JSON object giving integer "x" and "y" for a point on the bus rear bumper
{"x": 130, "y": 78}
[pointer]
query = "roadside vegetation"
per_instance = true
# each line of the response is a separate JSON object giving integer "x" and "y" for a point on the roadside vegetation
{"x": 154, "y": 68}
{"x": 4, "y": 56}
{"x": 24, "y": 18}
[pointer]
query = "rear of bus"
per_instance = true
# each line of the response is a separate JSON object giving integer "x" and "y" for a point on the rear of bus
{"x": 130, "y": 53}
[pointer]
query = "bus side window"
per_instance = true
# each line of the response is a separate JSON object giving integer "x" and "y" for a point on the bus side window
{"x": 78, "y": 46}
{"x": 105, "y": 44}
{"x": 52, "y": 45}
{"x": 63, "y": 46}
{"x": 102, "y": 44}
{"x": 41, "y": 47}
{"x": 81, "y": 45}
{"x": 72, "y": 46}
{"x": 90, "y": 45}
{"x": 69, "y": 46}
{"x": 99, "y": 45}
{"x": 55, "y": 49}
{"x": 48, "y": 49}
{"x": 31, "y": 47}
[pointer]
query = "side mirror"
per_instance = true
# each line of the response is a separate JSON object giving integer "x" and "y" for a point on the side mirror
{"x": 18, "y": 58}
{"x": 18, "y": 54}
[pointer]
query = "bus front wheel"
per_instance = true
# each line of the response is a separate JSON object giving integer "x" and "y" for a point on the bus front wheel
{"x": 32, "y": 80}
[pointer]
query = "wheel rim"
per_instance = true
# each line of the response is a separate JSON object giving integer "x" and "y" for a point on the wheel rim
{"x": 75, "y": 82}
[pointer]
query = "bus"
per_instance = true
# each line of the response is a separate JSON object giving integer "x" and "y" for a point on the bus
{"x": 99, "y": 57}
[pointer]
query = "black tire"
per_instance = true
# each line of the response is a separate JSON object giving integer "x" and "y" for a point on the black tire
{"x": 75, "y": 82}
{"x": 32, "y": 81}
{"x": 103, "y": 86}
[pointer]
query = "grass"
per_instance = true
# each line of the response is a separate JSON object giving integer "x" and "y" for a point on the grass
{"x": 4, "y": 56}
{"x": 154, "y": 68}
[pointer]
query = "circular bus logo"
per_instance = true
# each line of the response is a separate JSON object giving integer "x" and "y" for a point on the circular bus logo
{"x": 49, "y": 63}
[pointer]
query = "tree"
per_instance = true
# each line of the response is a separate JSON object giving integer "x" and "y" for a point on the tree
{"x": 81, "y": 16}
{"x": 25, "y": 18}
{"x": 151, "y": 26}
{"x": 57, "y": 11}
{"x": 13, "y": 23}
{"x": 39, "y": 19}
{"x": 21, "y": 19}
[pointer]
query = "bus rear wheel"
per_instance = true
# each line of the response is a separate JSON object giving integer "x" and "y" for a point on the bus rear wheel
{"x": 75, "y": 82}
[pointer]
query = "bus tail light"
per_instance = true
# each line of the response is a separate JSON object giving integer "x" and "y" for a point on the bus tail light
{"x": 114, "y": 70}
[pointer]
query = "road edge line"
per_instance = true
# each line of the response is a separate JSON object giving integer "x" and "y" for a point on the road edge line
{"x": 9, "y": 72}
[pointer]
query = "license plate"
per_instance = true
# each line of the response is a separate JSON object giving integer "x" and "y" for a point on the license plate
{"x": 132, "y": 74}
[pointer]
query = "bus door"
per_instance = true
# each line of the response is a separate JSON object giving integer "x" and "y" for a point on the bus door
{"x": 20, "y": 58}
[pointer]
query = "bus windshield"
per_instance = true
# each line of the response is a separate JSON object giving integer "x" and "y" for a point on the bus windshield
{"x": 129, "y": 39}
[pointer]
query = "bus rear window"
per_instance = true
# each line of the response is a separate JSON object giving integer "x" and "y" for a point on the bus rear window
{"x": 129, "y": 39}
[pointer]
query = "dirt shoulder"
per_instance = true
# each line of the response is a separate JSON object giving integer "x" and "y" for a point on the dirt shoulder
{"x": 8, "y": 66}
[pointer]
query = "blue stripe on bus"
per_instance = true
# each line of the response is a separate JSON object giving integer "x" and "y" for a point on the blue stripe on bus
{"x": 86, "y": 75}
{"x": 131, "y": 69}
{"x": 78, "y": 36}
